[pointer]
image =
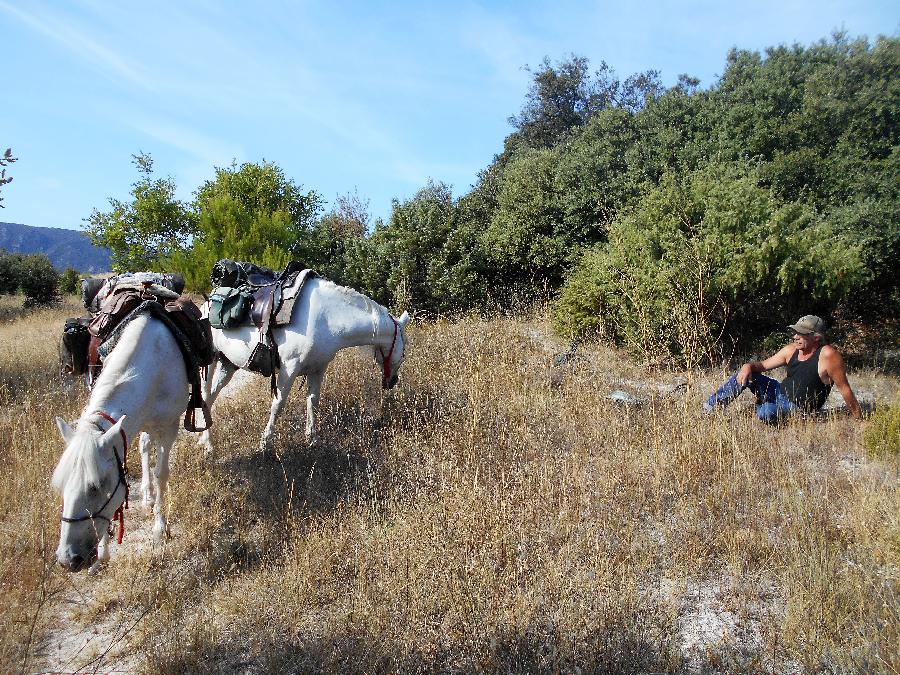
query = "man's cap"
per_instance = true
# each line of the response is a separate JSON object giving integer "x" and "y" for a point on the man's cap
{"x": 808, "y": 325}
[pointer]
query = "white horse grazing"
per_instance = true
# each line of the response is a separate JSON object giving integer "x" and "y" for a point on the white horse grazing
{"x": 143, "y": 387}
{"x": 326, "y": 319}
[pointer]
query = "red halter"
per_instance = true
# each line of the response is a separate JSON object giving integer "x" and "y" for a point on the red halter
{"x": 386, "y": 360}
{"x": 123, "y": 474}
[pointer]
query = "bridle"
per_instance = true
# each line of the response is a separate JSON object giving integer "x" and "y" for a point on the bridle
{"x": 119, "y": 513}
{"x": 386, "y": 360}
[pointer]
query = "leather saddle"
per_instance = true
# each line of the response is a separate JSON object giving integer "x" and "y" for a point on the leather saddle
{"x": 273, "y": 298}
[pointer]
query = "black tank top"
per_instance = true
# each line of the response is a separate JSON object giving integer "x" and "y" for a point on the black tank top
{"x": 803, "y": 386}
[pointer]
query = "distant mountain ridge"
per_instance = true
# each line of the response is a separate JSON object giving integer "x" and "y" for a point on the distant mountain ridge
{"x": 64, "y": 248}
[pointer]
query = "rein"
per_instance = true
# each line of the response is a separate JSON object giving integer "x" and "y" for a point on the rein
{"x": 386, "y": 360}
{"x": 119, "y": 513}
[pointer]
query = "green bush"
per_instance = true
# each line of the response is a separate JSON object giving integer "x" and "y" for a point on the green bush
{"x": 881, "y": 437}
{"x": 38, "y": 281}
{"x": 253, "y": 213}
{"x": 70, "y": 282}
{"x": 703, "y": 255}
{"x": 9, "y": 277}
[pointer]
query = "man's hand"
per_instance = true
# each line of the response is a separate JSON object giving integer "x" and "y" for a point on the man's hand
{"x": 744, "y": 374}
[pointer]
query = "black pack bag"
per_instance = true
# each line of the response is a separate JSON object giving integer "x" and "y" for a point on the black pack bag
{"x": 73, "y": 348}
{"x": 232, "y": 273}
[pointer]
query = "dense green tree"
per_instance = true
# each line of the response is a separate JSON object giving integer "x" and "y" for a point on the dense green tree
{"x": 344, "y": 226}
{"x": 422, "y": 259}
{"x": 822, "y": 121}
{"x": 9, "y": 266}
{"x": 408, "y": 249}
{"x": 561, "y": 98}
{"x": 526, "y": 241}
{"x": 594, "y": 178}
{"x": 566, "y": 96}
{"x": 253, "y": 213}
{"x": 145, "y": 231}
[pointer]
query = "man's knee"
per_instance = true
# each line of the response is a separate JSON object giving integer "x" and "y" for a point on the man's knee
{"x": 768, "y": 413}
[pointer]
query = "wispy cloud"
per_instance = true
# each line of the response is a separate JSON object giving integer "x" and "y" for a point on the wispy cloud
{"x": 197, "y": 145}
{"x": 62, "y": 31}
{"x": 502, "y": 42}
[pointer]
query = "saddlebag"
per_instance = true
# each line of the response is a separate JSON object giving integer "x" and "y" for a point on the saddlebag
{"x": 73, "y": 352}
{"x": 229, "y": 307}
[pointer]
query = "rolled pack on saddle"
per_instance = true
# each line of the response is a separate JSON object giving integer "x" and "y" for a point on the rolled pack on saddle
{"x": 117, "y": 301}
{"x": 73, "y": 350}
{"x": 245, "y": 294}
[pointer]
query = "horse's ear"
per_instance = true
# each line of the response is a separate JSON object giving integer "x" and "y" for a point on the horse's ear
{"x": 66, "y": 431}
{"x": 403, "y": 319}
{"x": 113, "y": 432}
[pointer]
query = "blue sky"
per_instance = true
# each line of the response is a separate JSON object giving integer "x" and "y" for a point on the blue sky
{"x": 344, "y": 96}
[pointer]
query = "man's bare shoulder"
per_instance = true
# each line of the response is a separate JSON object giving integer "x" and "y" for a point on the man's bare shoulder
{"x": 786, "y": 352}
{"x": 830, "y": 353}
{"x": 780, "y": 358}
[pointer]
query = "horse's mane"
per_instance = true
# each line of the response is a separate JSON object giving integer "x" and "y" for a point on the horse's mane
{"x": 356, "y": 298}
{"x": 105, "y": 386}
{"x": 81, "y": 459}
{"x": 113, "y": 374}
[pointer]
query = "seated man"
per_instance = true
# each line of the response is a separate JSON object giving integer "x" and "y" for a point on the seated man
{"x": 812, "y": 368}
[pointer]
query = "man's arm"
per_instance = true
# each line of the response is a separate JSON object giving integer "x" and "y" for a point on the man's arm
{"x": 837, "y": 371}
{"x": 779, "y": 358}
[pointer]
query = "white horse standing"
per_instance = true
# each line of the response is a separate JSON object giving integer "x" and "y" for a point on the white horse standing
{"x": 143, "y": 386}
{"x": 326, "y": 319}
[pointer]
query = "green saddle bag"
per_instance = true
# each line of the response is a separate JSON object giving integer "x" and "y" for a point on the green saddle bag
{"x": 229, "y": 307}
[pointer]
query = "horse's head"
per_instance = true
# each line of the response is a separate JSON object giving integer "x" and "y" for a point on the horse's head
{"x": 90, "y": 477}
{"x": 390, "y": 360}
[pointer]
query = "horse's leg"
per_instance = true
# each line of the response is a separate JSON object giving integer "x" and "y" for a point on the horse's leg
{"x": 283, "y": 383}
{"x": 163, "y": 445}
{"x": 314, "y": 388}
{"x": 218, "y": 375}
{"x": 147, "y": 487}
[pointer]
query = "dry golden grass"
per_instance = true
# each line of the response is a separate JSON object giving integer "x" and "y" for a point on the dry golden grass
{"x": 490, "y": 514}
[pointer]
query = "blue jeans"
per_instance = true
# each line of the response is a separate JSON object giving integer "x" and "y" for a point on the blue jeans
{"x": 772, "y": 407}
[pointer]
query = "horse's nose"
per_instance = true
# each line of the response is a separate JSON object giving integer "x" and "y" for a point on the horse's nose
{"x": 70, "y": 560}
{"x": 73, "y": 563}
